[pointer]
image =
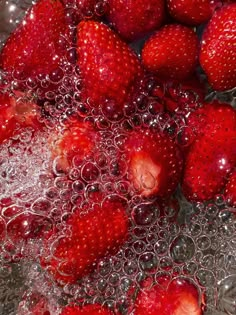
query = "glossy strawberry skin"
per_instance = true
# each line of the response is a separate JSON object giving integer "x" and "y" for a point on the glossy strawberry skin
{"x": 190, "y": 12}
{"x": 34, "y": 47}
{"x": 176, "y": 297}
{"x": 109, "y": 69}
{"x": 230, "y": 189}
{"x": 95, "y": 234}
{"x": 90, "y": 309}
{"x": 143, "y": 17}
{"x": 210, "y": 160}
{"x": 171, "y": 52}
{"x": 217, "y": 54}
{"x": 211, "y": 117}
{"x": 154, "y": 163}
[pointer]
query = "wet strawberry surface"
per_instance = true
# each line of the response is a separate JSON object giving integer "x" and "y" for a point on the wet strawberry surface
{"x": 117, "y": 158}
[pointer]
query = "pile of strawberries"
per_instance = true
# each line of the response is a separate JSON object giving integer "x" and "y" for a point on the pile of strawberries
{"x": 108, "y": 100}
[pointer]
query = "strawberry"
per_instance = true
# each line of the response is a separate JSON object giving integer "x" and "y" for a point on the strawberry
{"x": 36, "y": 47}
{"x": 73, "y": 144}
{"x": 154, "y": 163}
{"x": 209, "y": 161}
{"x": 179, "y": 96}
{"x": 230, "y": 189}
{"x": 143, "y": 17}
{"x": 166, "y": 297}
{"x": 90, "y": 309}
{"x": 16, "y": 113}
{"x": 93, "y": 235}
{"x": 212, "y": 116}
{"x": 217, "y": 54}
{"x": 190, "y": 12}
{"x": 171, "y": 52}
{"x": 109, "y": 69}
{"x": 27, "y": 225}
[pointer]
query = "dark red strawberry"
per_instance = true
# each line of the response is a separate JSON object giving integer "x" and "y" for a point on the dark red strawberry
{"x": 90, "y": 309}
{"x": 143, "y": 17}
{"x": 17, "y": 113}
{"x": 217, "y": 55}
{"x": 36, "y": 46}
{"x": 210, "y": 160}
{"x": 211, "y": 117}
{"x": 171, "y": 52}
{"x": 154, "y": 163}
{"x": 94, "y": 234}
{"x": 85, "y": 9}
{"x": 230, "y": 189}
{"x": 179, "y": 96}
{"x": 109, "y": 69}
{"x": 190, "y": 12}
{"x": 166, "y": 297}
{"x": 27, "y": 225}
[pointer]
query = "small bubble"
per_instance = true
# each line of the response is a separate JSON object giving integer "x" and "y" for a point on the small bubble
{"x": 161, "y": 247}
{"x": 206, "y": 277}
{"x": 182, "y": 249}
{"x": 203, "y": 242}
{"x": 148, "y": 262}
{"x": 145, "y": 214}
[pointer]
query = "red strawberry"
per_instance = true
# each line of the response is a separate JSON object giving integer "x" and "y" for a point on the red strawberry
{"x": 109, "y": 69}
{"x": 176, "y": 297}
{"x": 154, "y": 163}
{"x": 208, "y": 163}
{"x": 217, "y": 55}
{"x": 74, "y": 144}
{"x": 93, "y": 235}
{"x": 212, "y": 117}
{"x": 191, "y": 12}
{"x": 16, "y": 113}
{"x": 90, "y": 309}
{"x": 143, "y": 17}
{"x": 171, "y": 52}
{"x": 230, "y": 189}
{"x": 36, "y": 46}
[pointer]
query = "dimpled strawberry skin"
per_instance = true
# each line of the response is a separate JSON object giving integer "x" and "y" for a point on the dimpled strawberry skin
{"x": 143, "y": 17}
{"x": 171, "y": 52}
{"x": 190, "y": 12}
{"x": 34, "y": 47}
{"x": 218, "y": 54}
{"x": 109, "y": 69}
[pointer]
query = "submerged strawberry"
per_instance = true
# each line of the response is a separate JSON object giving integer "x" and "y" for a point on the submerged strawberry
{"x": 98, "y": 232}
{"x": 217, "y": 54}
{"x": 17, "y": 113}
{"x": 109, "y": 69}
{"x": 210, "y": 160}
{"x": 171, "y": 52}
{"x": 143, "y": 17}
{"x": 230, "y": 189}
{"x": 90, "y": 309}
{"x": 176, "y": 297}
{"x": 36, "y": 46}
{"x": 73, "y": 144}
{"x": 154, "y": 163}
